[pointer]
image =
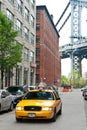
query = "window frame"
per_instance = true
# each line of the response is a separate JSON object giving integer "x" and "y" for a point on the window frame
{"x": 26, "y": 54}
{"x": 19, "y": 26}
{"x": 19, "y": 6}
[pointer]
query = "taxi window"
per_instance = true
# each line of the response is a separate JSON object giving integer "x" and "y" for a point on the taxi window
{"x": 41, "y": 95}
{"x": 56, "y": 95}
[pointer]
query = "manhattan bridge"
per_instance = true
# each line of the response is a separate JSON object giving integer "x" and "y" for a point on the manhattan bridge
{"x": 77, "y": 48}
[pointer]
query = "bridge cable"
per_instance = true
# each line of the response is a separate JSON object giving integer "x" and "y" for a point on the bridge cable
{"x": 63, "y": 13}
{"x": 64, "y": 22}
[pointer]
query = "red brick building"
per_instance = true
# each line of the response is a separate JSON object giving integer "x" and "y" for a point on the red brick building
{"x": 47, "y": 48}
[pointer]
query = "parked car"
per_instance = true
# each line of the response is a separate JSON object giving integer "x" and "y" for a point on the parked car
{"x": 85, "y": 93}
{"x": 6, "y": 101}
{"x": 39, "y": 104}
{"x": 31, "y": 87}
{"x": 82, "y": 89}
{"x": 17, "y": 92}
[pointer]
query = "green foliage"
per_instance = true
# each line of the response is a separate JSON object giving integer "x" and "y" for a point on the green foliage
{"x": 76, "y": 80}
{"x": 82, "y": 82}
{"x": 10, "y": 51}
{"x": 64, "y": 80}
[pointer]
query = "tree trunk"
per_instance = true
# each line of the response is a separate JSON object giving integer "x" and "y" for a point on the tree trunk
{"x": 2, "y": 75}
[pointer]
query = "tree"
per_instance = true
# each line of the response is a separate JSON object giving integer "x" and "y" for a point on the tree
{"x": 82, "y": 82}
{"x": 10, "y": 51}
{"x": 74, "y": 77}
{"x": 76, "y": 80}
{"x": 64, "y": 80}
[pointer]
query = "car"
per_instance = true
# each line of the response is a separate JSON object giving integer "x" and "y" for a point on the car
{"x": 17, "y": 92}
{"x": 85, "y": 93}
{"x": 6, "y": 101}
{"x": 83, "y": 88}
{"x": 39, "y": 104}
{"x": 31, "y": 87}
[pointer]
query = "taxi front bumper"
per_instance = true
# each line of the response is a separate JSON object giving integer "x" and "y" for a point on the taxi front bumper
{"x": 34, "y": 114}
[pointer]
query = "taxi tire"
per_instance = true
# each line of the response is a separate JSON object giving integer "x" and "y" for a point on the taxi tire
{"x": 18, "y": 119}
{"x": 0, "y": 107}
{"x": 54, "y": 116}
{"x": 60, "y": 111}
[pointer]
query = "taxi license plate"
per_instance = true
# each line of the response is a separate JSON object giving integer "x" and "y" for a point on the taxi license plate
{"x": 31, "y": 115}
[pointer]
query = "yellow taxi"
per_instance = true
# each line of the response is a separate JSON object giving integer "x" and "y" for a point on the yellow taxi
{"x": 39, "y": 104}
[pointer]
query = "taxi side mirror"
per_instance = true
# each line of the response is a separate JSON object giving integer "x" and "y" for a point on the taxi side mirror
{"x": 58, "y": 98}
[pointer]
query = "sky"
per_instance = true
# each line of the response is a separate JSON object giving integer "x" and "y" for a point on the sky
{"x": 56, "y": 8}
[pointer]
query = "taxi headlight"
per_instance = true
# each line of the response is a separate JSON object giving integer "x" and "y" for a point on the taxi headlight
{"x": 19, "y": 108}
{"x": 47, "y": 108}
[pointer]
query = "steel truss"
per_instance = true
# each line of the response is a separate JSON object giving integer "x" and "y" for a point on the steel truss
{"x": 76, "y": 9}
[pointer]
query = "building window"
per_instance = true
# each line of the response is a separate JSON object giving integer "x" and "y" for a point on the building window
{"x": 11, "y": 1}
{"x": 31, "y": 76}
{"x": 37, "y": 27}
{"x": 32, "y": 39}
{"x": 37, "y": 51}
{"x": 38, "y": 64}
{"x": 26, "y": 14}
{"x": 19, "y": 6}
{"x": 33, "y": 4}
{"x": 25, "y": 76}
{"x": 19, "y": 26}
{"x": 26, "y": 54}
{"x": 37, "y": 16}
{"x": 37, "y": 78}
{"x": 37, "y": 39}
{"x": 26, "y": 33}
{"x": 18, "y": 75}
{"x": 31, "y": 56}
{"x": 32, "y": 21}
{"x": 10, "y": 16}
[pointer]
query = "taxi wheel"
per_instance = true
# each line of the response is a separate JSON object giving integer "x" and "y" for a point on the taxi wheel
{"x": 54, "y": 117}
{"x": 60, "y": 111}
{"x": 0, "y": 106}
{"x": 18, "y": 119}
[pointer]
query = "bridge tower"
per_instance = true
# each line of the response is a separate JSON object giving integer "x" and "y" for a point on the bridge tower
{"x": 76, "y": 9}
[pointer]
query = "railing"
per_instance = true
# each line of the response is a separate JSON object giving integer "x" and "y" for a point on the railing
{"x": 72, "y": 47}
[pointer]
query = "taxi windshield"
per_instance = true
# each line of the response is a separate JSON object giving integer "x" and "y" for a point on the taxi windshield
{"x": 40, "y": 95}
